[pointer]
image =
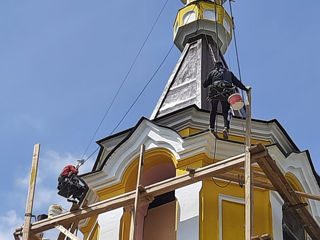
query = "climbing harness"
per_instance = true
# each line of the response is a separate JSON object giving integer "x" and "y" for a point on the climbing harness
{"x": 219, "y": 90}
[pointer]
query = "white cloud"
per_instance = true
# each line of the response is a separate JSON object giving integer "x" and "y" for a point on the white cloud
{"x": 8, "y": 223}
{"x": 50, "y": 165}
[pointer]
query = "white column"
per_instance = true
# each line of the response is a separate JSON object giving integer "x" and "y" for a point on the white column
{"x": 109, "y": 223}
{"x": 276, "y": 205}
{"x": 188, "y": 214}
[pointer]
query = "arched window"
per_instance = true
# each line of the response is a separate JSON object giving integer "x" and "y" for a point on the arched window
{"x": 291, "y": 226}
{"x": 210, "y": 14}
{"x": 189, "y": 17}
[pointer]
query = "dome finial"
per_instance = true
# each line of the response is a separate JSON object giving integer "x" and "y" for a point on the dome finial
{"x": 203, "y": 17}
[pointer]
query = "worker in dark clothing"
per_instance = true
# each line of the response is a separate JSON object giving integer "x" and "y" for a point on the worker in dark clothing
{"x": 222, "y": 83}
{"x": 69, "y": 184}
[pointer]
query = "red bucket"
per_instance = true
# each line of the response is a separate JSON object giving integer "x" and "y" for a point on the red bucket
{"x": 235, "y": 101}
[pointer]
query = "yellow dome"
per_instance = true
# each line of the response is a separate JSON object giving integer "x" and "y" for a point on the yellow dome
{"x": 203, "y": 18}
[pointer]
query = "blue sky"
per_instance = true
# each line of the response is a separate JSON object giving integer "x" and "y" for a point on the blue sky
{"x": 62, "y": 61}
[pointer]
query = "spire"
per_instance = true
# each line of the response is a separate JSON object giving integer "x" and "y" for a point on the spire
{"x": 203, "y": 32}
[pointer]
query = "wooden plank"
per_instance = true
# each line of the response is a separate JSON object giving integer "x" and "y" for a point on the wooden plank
{"x": 289, "y": 196}
{"x": 261, "y": 184}
{"x": 154, "y": 189}
{"x": 30, "y": 198}
{"x": 236, "y": 178}
{"x": 256, "y": 173}
{"x": 266, "y": 237}
{"x": 134, "y": 222}
{"x": 66, "y": 232}
{"x": 280, "y": 187}
{"x": 308, "y": 195}
{"x": 69, "y": 225}
{"x": 255, "y": 238}
{"x": 248, "y": 173}
{"x": 74, "y": 227}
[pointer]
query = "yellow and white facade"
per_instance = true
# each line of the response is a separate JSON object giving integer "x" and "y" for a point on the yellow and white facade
{"x": 211, "y": 209}
{"x": 176, "y": 137}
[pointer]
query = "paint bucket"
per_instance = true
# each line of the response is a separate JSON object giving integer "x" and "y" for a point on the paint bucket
{"x": 235, "y": 101}
{"x": 54, "y": 210}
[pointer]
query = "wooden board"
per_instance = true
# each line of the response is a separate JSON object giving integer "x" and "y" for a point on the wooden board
{"x": 134, "y": 222}
{"x": 154, "y": 190}
{"x": 289, "y": 196}
{"x": 248, "y": 173}
{"x": 31, "y": 191}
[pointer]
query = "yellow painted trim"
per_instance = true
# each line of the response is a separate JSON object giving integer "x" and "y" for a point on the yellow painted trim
{"x": 243, "y": 139}
{"x": 127, "y": 183}
{"x": 125, "y": 224}
{"x": 152, "y": 157}
{"x": 199, "y": 8}
{"x": 209, "y": 212}
{"x": 296, "y": 185}
{"x": 87, "y": 228}
{"x": 189, "y": 131}
{"x": 95, "y": 232}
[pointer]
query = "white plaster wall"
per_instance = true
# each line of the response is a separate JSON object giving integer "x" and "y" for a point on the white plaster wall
{"x": 188, "y": 212}
{"x": 109, "y": 223}
{"x": 276, "y": 205}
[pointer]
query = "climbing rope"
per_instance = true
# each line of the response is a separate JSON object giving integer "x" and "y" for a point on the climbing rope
{"x": 125, "y": 78}
{"x": 237, "y": 54}
{"x": 214, "y": 157}
{"x": 136, "y": 99}
{"x": 216, "y": 20}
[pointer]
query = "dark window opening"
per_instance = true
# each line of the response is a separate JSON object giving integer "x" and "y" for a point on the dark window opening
{"x": 162, "y": 199}
{"x": 291, "y": 226}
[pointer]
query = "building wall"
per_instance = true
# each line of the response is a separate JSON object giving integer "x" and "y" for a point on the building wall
{"x": 209, "y": 209}
{"x": 222, "y": 211}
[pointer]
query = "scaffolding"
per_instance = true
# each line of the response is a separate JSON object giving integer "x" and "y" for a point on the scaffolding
{"x": 229, "y": 169}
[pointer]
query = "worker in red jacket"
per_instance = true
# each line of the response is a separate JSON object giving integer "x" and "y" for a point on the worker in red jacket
{"x": 67, "y": 171}
{"x": 69, "y": 184}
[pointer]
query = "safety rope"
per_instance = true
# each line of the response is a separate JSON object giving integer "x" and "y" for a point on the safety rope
{"x": 136, "y": 99}
{"x": 237, "y": 54}
{"x": 134, "y": 102}
{"x": 214, "y": 157}
{"x": 216, "y": 18}
{"x": 125, "y": 78}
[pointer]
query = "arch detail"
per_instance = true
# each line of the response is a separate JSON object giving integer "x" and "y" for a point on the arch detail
{"x": 128, "y": 179}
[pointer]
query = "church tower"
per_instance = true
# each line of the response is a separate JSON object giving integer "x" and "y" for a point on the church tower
{"x": 202, "y": 32}
{"x": 190, "y": 181}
